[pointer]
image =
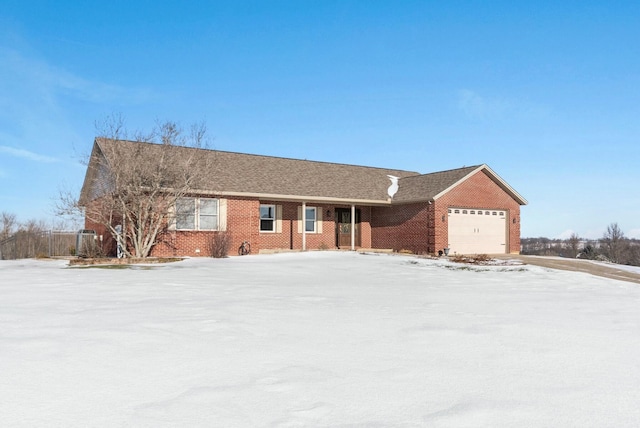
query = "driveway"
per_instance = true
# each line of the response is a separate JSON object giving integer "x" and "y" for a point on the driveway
{"x": 611, "y": 271}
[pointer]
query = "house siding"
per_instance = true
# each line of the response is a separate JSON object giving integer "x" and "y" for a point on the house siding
{"x": 291, "y": 238}
{"x": 243, "y": 223}
{"x": 407, "y": 227}
{"x": 423, "y": 227}
{"x": 410, "y": 223}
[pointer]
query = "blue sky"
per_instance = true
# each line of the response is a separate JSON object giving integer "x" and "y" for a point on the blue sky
{"x": 546, "y": 93}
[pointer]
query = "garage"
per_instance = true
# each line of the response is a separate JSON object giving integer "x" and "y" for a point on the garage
{"x": 477, "y": 231}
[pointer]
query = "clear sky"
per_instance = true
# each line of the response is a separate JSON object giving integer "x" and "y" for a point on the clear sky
{"x": 546, "y": 93}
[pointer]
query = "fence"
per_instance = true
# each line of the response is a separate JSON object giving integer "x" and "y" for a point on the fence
{"x": 50, "y": 243}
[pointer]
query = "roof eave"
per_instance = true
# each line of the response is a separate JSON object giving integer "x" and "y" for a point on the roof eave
{"x": 495, "y": 177}
{"x": 296, "y": 198}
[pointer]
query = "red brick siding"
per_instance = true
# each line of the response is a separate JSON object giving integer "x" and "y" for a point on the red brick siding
{"x": 290, "y": 238}
{"x": 416, "y": 227}
{"x": 108, "y": 244}
{"x": 403, "y": 227}
{"x": 243, "y": 223}
{"x": 420, "y": 227}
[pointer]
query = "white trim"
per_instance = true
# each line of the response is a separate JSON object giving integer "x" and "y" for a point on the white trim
{"x": 495, "y": 177}
{"x": 222, "y": 215}
{"x": 302, "y": 219}
{"x": 196, "y": 215}
{"x": 296, "y": 198}
{"x": 274, "y": 219}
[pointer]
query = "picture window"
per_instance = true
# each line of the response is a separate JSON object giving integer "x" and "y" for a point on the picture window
{"x": 197, "y": 214}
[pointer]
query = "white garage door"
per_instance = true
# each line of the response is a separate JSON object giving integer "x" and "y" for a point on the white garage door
{"x": 477, "y": 231}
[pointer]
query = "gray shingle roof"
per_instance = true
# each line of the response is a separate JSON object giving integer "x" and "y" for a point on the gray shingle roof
{"x": 424, "y": 187}
{"x": 241, "y": 173}
{"x": 283, "y": 178}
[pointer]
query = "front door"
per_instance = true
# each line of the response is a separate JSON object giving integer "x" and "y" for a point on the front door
{"x": 343, "y": 228}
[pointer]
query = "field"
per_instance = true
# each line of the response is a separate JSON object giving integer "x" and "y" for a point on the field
{"x": 316, "y": 339}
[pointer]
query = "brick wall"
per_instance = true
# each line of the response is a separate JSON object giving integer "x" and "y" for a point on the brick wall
{"x": 108, "y": 244}
{"x": 243, "y": 223}
{"x": 417, "y": 227}
{"x": 403, "y": 227}
{"x": 423, "y": 228}
{"x": 291, "y": 238}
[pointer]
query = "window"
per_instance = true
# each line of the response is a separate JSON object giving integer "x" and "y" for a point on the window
{"x": 310, "y": 219}
{"x": 267, "y": 218}
{"x": 185, "y": 214}
{"x": 197, "y": 214}
{"x": 472, "y": 212}
{"x": 208, "y": 214}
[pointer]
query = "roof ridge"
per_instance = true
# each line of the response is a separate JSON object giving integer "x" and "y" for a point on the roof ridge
{"x": 470, "y": 168}
{"x": 413, "y": 173}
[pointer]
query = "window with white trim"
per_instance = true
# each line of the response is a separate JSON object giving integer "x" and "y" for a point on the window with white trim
{"x": 310, "y": 219}
{"x": 267, "y": 218}
{"x": 197, "y": 214}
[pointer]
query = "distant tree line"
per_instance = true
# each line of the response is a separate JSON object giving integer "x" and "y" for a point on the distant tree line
{"x": 612, "y": 247}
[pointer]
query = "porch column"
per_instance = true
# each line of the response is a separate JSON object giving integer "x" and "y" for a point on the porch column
{"x": 304, "y": 226}
{"x": 353, "y": 227}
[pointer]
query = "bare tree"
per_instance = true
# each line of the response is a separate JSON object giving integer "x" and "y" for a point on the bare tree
{"x": 613, "y": 243}
{"x": 574, "y": 244}
{"x": 132, "y": 186}
{"x": 8, "y": 225}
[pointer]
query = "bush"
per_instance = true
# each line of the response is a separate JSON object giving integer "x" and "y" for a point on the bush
{"x": 219, "y": 244}
{"x": 475, "y": 259}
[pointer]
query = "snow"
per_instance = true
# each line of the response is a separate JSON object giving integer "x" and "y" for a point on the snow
{"x": 316, "y": 339}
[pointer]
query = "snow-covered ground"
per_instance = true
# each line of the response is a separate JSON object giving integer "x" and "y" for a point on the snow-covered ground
{"x": 316, "y": 339}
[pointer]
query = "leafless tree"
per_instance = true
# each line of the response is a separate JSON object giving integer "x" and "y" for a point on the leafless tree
{"x": 135, "y": 183}
{"x": 613, "y": 243}
{"x": 8, "y": 225}
{"x": 574, "y": 244}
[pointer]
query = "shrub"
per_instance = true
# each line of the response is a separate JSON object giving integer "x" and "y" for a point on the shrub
{"x": 475, "y": 259}
{"x": 219, "y": 244}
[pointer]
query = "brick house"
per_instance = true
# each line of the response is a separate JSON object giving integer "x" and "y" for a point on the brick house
{"x": 290, "y": 204}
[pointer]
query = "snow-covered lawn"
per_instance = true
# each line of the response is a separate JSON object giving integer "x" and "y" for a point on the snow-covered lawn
{"x": 316, "y": 339}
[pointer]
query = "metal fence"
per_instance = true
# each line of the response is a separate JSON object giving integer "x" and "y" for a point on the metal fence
{"x": 50, "y": 243}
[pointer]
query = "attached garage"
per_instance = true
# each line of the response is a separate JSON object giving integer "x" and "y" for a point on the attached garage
{"x": 477, "y": 231}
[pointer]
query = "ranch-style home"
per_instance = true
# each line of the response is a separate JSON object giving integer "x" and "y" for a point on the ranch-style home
{"x": 291, "y": 204}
